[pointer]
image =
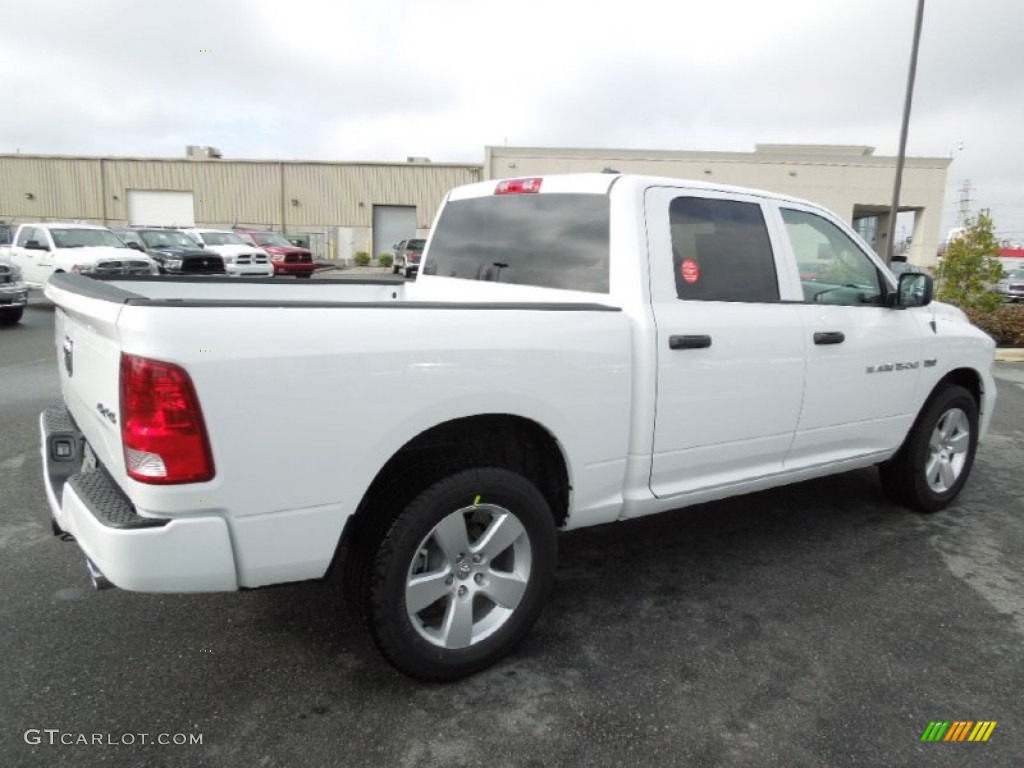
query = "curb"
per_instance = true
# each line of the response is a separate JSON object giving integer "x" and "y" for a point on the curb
{"x": 1010, "y": 355}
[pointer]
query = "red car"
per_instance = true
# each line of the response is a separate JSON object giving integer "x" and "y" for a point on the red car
{"x": 287, "y": 259}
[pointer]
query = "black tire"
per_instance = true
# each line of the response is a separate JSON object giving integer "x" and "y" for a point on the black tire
{"x": 11, "y": 316}
{"x": 395, "y": 269}
{"x": 305, "y": 275}
{"x": 423, "y": 644}
{"x": 905, "y": 477}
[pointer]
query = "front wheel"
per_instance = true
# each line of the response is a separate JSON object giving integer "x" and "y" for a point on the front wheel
{"x": 462, "y": 574}
{"x": 932, "y": 466}
{"x": 11, "y": 316}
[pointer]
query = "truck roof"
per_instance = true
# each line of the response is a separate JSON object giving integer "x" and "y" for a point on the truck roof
{"x": 601, "y": 183}
{"x": 62, "y": 225}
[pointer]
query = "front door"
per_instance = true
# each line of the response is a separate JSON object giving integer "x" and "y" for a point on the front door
{"x": 730, "y": 354}
{"x": 35, "y": 264}
{"x": 863, "y": 359}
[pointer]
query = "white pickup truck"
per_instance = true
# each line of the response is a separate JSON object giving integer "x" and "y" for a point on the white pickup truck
{"x": 577, "y": 350}
{"x": 42, "y": 249}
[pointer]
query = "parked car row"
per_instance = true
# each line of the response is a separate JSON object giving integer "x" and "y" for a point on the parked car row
{"x": 39, "y": 250}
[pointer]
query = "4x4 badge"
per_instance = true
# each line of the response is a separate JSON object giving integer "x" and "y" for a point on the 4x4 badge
{"x": 69, "y": 356}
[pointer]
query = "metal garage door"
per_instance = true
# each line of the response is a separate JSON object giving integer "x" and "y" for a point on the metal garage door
{"x": 152, "y": 208}
{"x": 392, "y": 223}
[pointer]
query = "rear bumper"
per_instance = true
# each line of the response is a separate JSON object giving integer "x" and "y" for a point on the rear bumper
{"x": 132, "y": 551}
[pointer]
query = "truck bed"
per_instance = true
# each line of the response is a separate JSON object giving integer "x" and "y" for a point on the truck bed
{"x": 308, "y": 389}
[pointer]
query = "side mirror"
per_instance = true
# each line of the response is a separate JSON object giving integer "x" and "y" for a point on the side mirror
{"x": 135, "y": 247}
{"x": 914, "y": 289}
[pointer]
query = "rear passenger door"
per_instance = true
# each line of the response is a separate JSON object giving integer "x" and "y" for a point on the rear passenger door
{"x": 730, "y": 353}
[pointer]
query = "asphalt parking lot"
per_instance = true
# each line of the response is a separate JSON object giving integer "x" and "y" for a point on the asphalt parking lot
{"x": 816, "y": 625}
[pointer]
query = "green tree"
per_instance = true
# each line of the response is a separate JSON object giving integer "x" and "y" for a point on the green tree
{"x": 970, "y": 267}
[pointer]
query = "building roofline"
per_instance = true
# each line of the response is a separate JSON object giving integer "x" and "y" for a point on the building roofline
{"x": 225, "y": 161}
{"x": 769, "y": 154}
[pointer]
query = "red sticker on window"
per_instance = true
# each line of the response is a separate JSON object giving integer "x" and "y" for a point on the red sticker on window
{"x": 690, "y": 271}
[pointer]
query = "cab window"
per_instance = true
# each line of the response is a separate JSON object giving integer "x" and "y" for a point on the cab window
{"x": 27, "y": 234}
{"x": 833, "y": 269}
{"x": 721, "y": 251}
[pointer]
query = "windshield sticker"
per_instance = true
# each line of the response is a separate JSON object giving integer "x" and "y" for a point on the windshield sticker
{"x": 690, "y": 271}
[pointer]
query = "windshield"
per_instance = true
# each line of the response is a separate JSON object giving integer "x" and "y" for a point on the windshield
{"x": 270, "y": 238}
{"x": 552, "y": 241}
{"x": 166, "y": 238}
{"x": 415, "y": 245}
{"x": 1017, "y": 274}
{"x": 85, "y": 238}
{"x": 222, "y": 238}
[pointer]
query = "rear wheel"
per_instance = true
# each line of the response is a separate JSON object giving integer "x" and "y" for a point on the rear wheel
{"x": 11, "y": 316}
{"x": 305, "y": 274}
{"x": 461, "y": 574}
{"x": 932, "y": 467}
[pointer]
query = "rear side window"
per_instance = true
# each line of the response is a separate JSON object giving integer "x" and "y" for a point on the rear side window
{"x": 547, "y": 240}
{"x": 721, "y": 251}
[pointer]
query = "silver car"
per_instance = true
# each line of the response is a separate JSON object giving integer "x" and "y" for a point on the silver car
{"x": 1012, "y": 285}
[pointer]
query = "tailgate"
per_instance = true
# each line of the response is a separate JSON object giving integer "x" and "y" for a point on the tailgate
{"x": 88, "y": 358}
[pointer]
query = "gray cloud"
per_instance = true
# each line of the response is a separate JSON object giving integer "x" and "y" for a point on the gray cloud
{"x": 385, "y": 81}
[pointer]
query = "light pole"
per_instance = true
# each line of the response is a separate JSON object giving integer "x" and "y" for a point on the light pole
{"x": 894, "y": 209}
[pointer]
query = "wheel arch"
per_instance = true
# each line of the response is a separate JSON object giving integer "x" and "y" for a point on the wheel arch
{"x": 502, "y": 440}
{"x": 968, "y": 378}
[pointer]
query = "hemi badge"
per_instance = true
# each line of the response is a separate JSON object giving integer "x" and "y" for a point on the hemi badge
{"x": 930, "y": 363}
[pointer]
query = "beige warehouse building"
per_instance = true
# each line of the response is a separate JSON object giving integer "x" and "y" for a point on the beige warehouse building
{"x": 345, "y": 207}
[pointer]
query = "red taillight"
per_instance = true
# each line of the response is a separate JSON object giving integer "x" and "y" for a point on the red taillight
{"x": 162, "y": 426}
{"x": 517, "y": 186}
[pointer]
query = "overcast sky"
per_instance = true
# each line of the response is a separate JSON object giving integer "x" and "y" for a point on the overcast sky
{"x": 383, "y": 80}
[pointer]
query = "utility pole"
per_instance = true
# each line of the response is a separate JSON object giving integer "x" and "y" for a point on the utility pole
{"x": 965, "y": 202}
{"x": 895, "y": 208}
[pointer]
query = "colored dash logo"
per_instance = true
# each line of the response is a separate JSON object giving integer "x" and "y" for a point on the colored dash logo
{"x": 958, "y": 730}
